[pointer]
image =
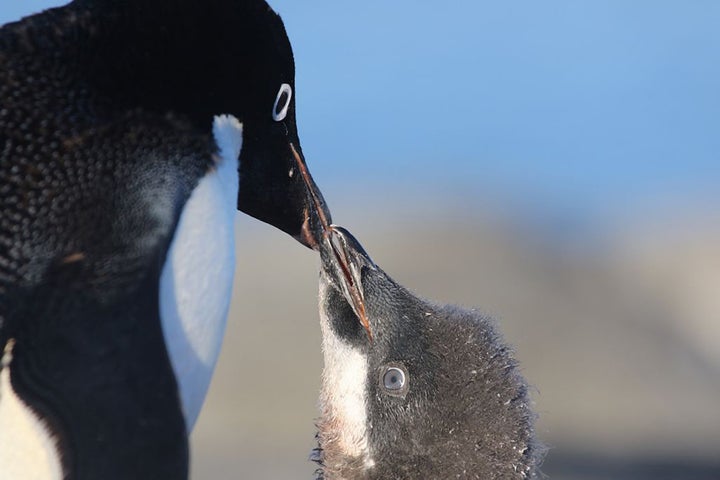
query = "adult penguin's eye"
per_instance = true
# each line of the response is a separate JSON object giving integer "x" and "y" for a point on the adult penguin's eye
{"x": 394, "y": 380}
{"x": 282, "y": 102}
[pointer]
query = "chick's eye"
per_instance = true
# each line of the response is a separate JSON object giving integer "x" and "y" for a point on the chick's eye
{"x": 282, "y": 102}
{"x": 394, "y": 380}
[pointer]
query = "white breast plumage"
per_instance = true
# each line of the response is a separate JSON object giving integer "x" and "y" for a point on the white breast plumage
{"x": 27, "y": 449}
{"x": 343, "y": 396}
{"x": 196, "y": 281}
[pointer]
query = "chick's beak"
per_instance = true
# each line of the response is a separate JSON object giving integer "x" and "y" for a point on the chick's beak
{"x": 344, "y": 256}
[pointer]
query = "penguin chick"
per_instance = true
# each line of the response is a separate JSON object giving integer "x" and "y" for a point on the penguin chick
{"x": 413, "y": 389}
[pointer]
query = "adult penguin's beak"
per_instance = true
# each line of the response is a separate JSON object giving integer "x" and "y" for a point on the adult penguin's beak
{"x": 276, "y": 186}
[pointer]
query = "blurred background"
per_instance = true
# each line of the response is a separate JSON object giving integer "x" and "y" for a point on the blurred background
{"x": 555, "y": 164}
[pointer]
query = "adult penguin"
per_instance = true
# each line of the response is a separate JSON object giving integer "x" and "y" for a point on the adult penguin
{"x": 121, "y": 126}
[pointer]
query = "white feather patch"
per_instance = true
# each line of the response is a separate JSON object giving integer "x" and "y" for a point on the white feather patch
{"x": 28, "y": 450}
{"x": 343, "y": 398}
{"x": 196, "y": 282}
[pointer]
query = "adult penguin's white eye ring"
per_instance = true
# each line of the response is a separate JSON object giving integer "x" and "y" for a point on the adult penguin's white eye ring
{"x": 282, "y": 102}
{"x": 394, "y": 380}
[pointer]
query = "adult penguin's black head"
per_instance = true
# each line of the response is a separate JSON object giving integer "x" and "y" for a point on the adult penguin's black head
{"x": 193, "y": 60}
{"x": 413, "y": 389}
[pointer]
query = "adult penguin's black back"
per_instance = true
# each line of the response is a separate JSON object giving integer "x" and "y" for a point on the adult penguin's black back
{"x": 121, "y": 124}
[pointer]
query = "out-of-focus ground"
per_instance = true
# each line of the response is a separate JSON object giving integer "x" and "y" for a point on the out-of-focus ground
{"x": 619, "y": 333}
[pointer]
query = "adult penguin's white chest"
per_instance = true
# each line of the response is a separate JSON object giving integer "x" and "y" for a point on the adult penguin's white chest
{"x": 28, "y": 450}
{"x": 196, "y": 281}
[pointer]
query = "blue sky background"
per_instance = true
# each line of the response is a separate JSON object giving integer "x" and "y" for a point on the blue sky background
{"x": 584, "y": 110}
